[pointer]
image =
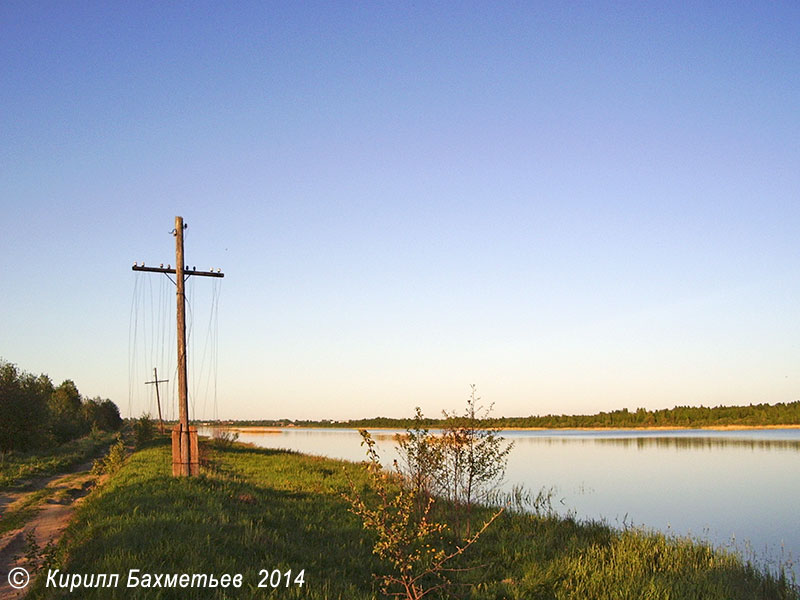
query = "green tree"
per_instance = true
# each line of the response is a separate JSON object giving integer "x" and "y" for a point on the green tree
{"x": 23, "y": 408}
{"x": 420, "y": 458}
{"x": 412, "y": 542}
{"x": 66, "y": 417}
{"x": 474, "y": 457}
{"x": 102, "y": 414}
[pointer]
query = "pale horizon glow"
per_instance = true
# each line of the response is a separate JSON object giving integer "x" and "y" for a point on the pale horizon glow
{"x": 576, "y": 208}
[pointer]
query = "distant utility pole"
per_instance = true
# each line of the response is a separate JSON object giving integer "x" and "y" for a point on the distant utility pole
{"x": 185, "y": 460}
{"x": 156, "y": 381}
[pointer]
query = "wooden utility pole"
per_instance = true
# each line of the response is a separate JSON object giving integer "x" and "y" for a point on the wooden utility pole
{"x": 184, "y": 440}
{"x": 183, "y": 386}
{"x": 156, "y": 381}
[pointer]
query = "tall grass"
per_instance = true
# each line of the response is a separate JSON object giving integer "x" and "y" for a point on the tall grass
{"x": 255, "y": 509}
{"x": 15, "y": 467}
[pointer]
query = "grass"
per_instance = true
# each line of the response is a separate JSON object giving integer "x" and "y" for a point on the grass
{"x": 257, "y": 509}
{"x": 260, "y": 509}
{"x": 16, "y": 467}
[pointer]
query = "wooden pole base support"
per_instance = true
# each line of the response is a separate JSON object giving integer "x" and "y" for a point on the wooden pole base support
{"x": 181, "y": 467}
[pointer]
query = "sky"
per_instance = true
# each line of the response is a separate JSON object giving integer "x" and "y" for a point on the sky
{"x": 576, "y": 207}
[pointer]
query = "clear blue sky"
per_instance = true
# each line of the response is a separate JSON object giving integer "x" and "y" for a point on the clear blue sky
{"x": 577, "y": 207}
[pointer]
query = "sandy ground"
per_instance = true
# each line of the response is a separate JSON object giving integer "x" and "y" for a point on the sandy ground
{"x": 65, "y": 491}
{"x": 257, "y": 429}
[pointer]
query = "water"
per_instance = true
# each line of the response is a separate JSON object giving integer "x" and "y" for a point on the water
{"x": 735, "y": 489}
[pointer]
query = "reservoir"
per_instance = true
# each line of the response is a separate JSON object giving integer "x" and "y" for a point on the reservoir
{"x": 734, "y": 489}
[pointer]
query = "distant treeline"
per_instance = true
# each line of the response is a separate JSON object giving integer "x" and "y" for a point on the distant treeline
{"x": 36, "y": 414}
{"x": 680, "y": 416}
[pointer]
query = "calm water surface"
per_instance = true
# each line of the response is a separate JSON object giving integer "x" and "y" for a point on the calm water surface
{"x": 737, "y": 489}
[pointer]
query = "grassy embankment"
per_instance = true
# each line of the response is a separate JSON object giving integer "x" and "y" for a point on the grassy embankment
{"x": 260, "y": 509}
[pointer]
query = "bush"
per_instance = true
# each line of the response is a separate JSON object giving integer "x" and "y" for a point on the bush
{"x": 144, "y": 430}
{"x": 409, "y": 538}
{"x": 224, "y": 438}
{"x": 464, "y": 465}
{"x": 421, "y": 459}
{"x": 474, "y": 457}
{"x": 112, "y": 461}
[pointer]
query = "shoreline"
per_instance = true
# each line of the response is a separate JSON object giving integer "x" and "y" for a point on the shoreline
{"x": 263, "y": 429}
{"x": 557, "y": 553}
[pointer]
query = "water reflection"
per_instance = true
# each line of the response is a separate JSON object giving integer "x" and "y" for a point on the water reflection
{"x": 677, "y": 442}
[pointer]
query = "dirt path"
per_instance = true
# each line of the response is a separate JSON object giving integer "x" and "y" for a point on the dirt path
{"x": 55, "y": 499}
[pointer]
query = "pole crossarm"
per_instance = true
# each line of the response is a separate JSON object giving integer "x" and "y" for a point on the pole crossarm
{"x": 156, "y": 381}
{"x": 186, "y": 272}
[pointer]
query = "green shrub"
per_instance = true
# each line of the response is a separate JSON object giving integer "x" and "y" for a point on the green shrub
{"x": 413, "y": 543}
{"x": 224, "y": 438}
{"x": 112, "y": 461}
{"x": 143, "y": 430}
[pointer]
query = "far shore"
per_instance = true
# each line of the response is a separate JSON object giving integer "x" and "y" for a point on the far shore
{"x": 259, "y": 429}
